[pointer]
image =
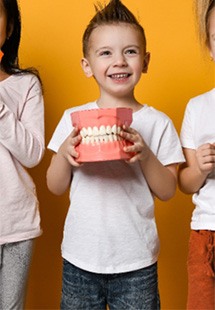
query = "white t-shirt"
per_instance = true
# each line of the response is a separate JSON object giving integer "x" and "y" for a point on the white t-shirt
{"x": 110, "y": 226}
{"x": 198, "y": 128}
{"x": 21, "y": 145}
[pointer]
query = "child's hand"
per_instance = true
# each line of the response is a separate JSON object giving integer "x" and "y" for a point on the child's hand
{"x": 205, "y": 156}
{"x": 139, "y": 148}
{"x": 67, "y": 149}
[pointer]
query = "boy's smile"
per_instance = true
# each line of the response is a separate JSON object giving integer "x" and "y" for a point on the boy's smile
{"x": 116, "y": 59}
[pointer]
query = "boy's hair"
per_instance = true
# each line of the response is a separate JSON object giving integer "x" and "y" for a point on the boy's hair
{"x": 10, "y": 62}
{"x": 203, "y": 10}
{"x": 113, "y": 13}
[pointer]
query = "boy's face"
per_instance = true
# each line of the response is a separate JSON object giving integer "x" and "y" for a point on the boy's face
{"x": 212, "y": 33}
{"x": 116, "y": 58}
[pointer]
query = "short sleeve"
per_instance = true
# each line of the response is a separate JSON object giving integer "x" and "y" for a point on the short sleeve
{"x": 62, "y": 131}
{"x": 169, "y": 149}
{"x": 186, "y": 135}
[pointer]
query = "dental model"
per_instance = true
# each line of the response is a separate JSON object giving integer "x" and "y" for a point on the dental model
{"x": 99, "y": 129}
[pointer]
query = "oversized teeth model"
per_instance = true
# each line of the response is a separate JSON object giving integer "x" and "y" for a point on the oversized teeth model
{"x": 100, "y": 129}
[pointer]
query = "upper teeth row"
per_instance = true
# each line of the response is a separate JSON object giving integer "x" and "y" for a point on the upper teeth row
{"x": 100, "y": 131}
{"x": 118, "y": 76}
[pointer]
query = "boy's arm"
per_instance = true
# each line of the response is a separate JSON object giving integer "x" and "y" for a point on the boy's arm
{"x": 161, "y": 179}
{"x": 59, "y": 173}
{"x": 199, "y": 163}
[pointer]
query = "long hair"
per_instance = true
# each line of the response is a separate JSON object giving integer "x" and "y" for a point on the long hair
{"x": 10, "y": 60}
{"x": 203, "y": 9}
{"x": 113, "y": 13}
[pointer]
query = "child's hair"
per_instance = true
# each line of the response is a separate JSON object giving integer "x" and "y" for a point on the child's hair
{"x": 10, "y": 62}
{"x": 203, "y": 10}
{"x": 113, "y": 13}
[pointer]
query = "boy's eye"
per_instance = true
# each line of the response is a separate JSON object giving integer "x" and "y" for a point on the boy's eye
{"x": 104, "y": 53}
{"x": 131, "y": 51}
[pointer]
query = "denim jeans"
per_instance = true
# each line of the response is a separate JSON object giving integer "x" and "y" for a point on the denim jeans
{"x": 83, "y": 290}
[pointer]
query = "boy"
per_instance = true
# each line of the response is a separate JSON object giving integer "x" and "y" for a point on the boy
{"x": 110, "y": 246}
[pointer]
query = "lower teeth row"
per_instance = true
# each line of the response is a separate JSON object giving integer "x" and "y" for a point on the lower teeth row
{"x": 100, "y": 139}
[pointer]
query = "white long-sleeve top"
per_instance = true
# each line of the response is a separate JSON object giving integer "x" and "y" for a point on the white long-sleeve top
{"x": 21, "y": 147}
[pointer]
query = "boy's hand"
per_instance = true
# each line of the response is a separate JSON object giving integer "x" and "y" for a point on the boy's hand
{"x": 139, "y": 148}
{"x": 205, "y": 156}
{"x": 67, "y": 149}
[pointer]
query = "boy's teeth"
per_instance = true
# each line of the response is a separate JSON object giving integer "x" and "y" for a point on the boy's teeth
{"x": 120, "y": 76}
{"x": 103, "y": 134}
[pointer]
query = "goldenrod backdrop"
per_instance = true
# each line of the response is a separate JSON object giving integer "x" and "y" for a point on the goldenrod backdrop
{"x": 179, "y": 69}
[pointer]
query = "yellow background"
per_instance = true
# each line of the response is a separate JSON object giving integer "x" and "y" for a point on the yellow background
{"x": 179, "y": 70}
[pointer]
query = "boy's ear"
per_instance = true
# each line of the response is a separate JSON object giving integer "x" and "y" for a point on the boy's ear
{"x": 86, "y": 67}
{"x": 212, "y": 56}
{"x": 146, "y": 62}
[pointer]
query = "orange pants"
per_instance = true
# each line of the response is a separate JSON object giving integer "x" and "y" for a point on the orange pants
{"x": 201, "y": 270}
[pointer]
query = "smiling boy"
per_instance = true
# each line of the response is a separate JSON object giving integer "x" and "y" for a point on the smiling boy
{"x": 110, "y": 245}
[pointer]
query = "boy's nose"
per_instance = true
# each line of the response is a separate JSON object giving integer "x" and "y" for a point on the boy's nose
{"x": 120, "y": 60}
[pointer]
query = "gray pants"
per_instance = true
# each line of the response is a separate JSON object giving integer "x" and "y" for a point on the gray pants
{"x": 14, "y": 266}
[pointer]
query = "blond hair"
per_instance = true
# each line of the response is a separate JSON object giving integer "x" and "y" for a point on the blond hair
{"x": 203, "y": 10}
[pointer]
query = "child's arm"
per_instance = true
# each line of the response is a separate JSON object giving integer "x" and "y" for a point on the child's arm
{"x": 22, "y": 131}
{"x": 161, "y": 179}
{"x": 199, "y": 163}
{"x": 59, "y": 173}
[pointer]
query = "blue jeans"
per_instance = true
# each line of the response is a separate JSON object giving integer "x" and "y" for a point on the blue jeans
{"x": 83, "y": 290}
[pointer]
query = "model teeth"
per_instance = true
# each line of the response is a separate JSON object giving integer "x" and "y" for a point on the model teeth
{"x": 102, "y": 134}
{"x": 95, "y": 131}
